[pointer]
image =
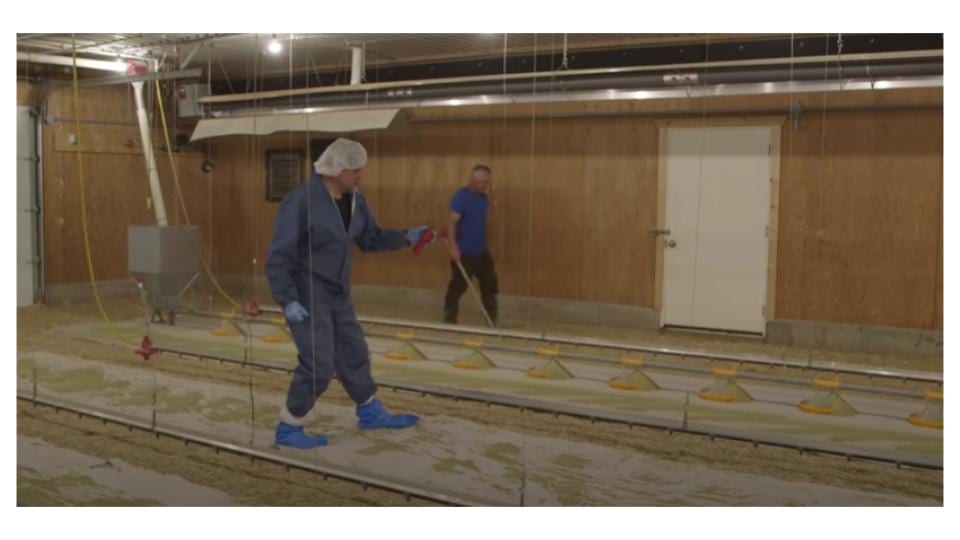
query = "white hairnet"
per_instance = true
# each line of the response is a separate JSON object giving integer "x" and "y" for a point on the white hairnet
{"x": 341, "y": 154}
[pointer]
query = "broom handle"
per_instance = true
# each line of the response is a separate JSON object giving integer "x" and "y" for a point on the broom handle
{"x": 476, "y": 295}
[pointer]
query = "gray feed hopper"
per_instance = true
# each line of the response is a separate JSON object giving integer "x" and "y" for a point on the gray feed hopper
{"x": 166, "y": 260}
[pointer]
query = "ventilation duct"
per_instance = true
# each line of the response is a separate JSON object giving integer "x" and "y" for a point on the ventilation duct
{"x": 325, "y": 122}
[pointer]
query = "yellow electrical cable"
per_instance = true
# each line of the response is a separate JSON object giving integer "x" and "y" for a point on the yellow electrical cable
{"x": 83, "y": 204}
{"x": 183, "y": 205}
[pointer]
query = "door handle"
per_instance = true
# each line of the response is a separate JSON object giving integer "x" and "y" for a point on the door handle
{"x": 671, "y": 243}
{"x": 659, "y": 232}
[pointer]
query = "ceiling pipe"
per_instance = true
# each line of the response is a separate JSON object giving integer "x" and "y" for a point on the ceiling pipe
{"x": 687, "y": 92}
{"x": 356, "y": 65}
{"x": 500, "y": 78}
{"x": 686, "y": 84}
{"x": 118, "y": 66}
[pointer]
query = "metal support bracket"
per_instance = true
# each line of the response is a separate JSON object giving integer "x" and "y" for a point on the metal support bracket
{"x": 796, "y": 110}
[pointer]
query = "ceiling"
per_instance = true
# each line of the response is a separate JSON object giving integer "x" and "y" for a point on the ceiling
{"x": 238, "y": 55}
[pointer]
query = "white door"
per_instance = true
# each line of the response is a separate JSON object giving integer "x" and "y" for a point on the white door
{"x": 717, "y": 211}
{"x": 26, "y": 208}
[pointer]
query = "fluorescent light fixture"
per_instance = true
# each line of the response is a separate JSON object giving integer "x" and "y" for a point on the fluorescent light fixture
{"x": 275, "y": 47}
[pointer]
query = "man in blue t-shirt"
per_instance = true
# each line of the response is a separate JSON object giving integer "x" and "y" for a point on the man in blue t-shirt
{"x": 468, "y": 224}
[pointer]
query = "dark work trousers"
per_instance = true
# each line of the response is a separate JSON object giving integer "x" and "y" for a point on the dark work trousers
{"x": 329, "y": 342}
{"x": 481, "y": 267}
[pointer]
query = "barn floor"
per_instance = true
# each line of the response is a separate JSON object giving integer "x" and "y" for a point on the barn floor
{"x": 465, "y": 449}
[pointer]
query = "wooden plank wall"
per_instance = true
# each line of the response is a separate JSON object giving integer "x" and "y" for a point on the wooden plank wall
{"x": 860, "y": 229}
{"x": 586, "y": 182}
{"x": 116, "y": 181}
{"x": 26, "y": 93}
{"x": 861, "y": 219}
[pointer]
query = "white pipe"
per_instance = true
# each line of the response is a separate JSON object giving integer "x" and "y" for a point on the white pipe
{"x": 356, "y": 65}
{"x": 102, "y": 65}
{"x": 866, "y": 57}
{"x": 155, "y": 192}
{"x": 41, "y": 268}
{"x": 671, "y": 92}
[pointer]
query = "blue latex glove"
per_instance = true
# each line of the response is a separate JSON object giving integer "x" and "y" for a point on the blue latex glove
{"x": 294, "y": 312}
{"x": 413, "y": 235}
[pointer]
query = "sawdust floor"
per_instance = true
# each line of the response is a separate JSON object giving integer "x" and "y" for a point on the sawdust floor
{"x": 267, "y": 484}
{"x": 880, "y": 427}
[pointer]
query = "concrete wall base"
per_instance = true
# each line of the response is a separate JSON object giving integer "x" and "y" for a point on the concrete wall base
{"x": 854, "y": 337}
{"x": 70, "y": 293}
{"x": 429, "y": 302}
{"x": 547, "y": 310}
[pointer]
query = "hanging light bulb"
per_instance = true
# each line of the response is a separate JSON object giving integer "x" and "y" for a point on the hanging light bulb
{"x": 274, "y": 46}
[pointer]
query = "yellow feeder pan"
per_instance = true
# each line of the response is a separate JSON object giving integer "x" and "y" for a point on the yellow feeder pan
{"x": 632, "y": 377}
{"x": 724, "y": 387}
{"x": 408, "y": 351}
{"x": 280, "y": 335}
{"x": 550, "y": 368}
{"x": 475, "y": 359}
{"x": 827, "y": 400}
{"x": 228, "y": 327}
{"x": 549, "y": 352}
{"x": 932, "y": 415}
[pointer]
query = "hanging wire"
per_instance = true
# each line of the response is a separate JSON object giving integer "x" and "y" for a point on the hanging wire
{"x": 310, "y": 279}
{"x": 250, "y": 199}
{"x": 823, "y": 143}
{"x": 795, "y": 110}
{"x": 839, "y": 56}
{"x": 251, "y": 157}
{"x": 533, "y": 132}
{"x": 703, "y": 131}
{"x": 938, "y": 278}
{"x": 83, "y": 201}
{"x": 225, "y": 76}
{"x": 211, "y": 149}
{"x": 532, "y": 182}
{"x": 501, "y": 229}
{"x": 183, "y": 204}
{"x": 564, "y": 64}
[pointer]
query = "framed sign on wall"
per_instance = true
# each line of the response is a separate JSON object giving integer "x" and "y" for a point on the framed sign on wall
{"x": 285, "y": 172}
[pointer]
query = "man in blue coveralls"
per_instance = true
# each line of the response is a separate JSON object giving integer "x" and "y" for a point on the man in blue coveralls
{"x": 308, "y": 266}
{"x": 468, "y": 225}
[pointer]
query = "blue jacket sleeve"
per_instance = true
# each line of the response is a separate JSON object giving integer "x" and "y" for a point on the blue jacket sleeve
{"x": 373, "y": 238}
{"x": 284, "y": 253}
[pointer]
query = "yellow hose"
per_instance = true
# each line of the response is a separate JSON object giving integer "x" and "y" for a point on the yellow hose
{"x": 183, "y": 205}
{"x": 83, "y": 204}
